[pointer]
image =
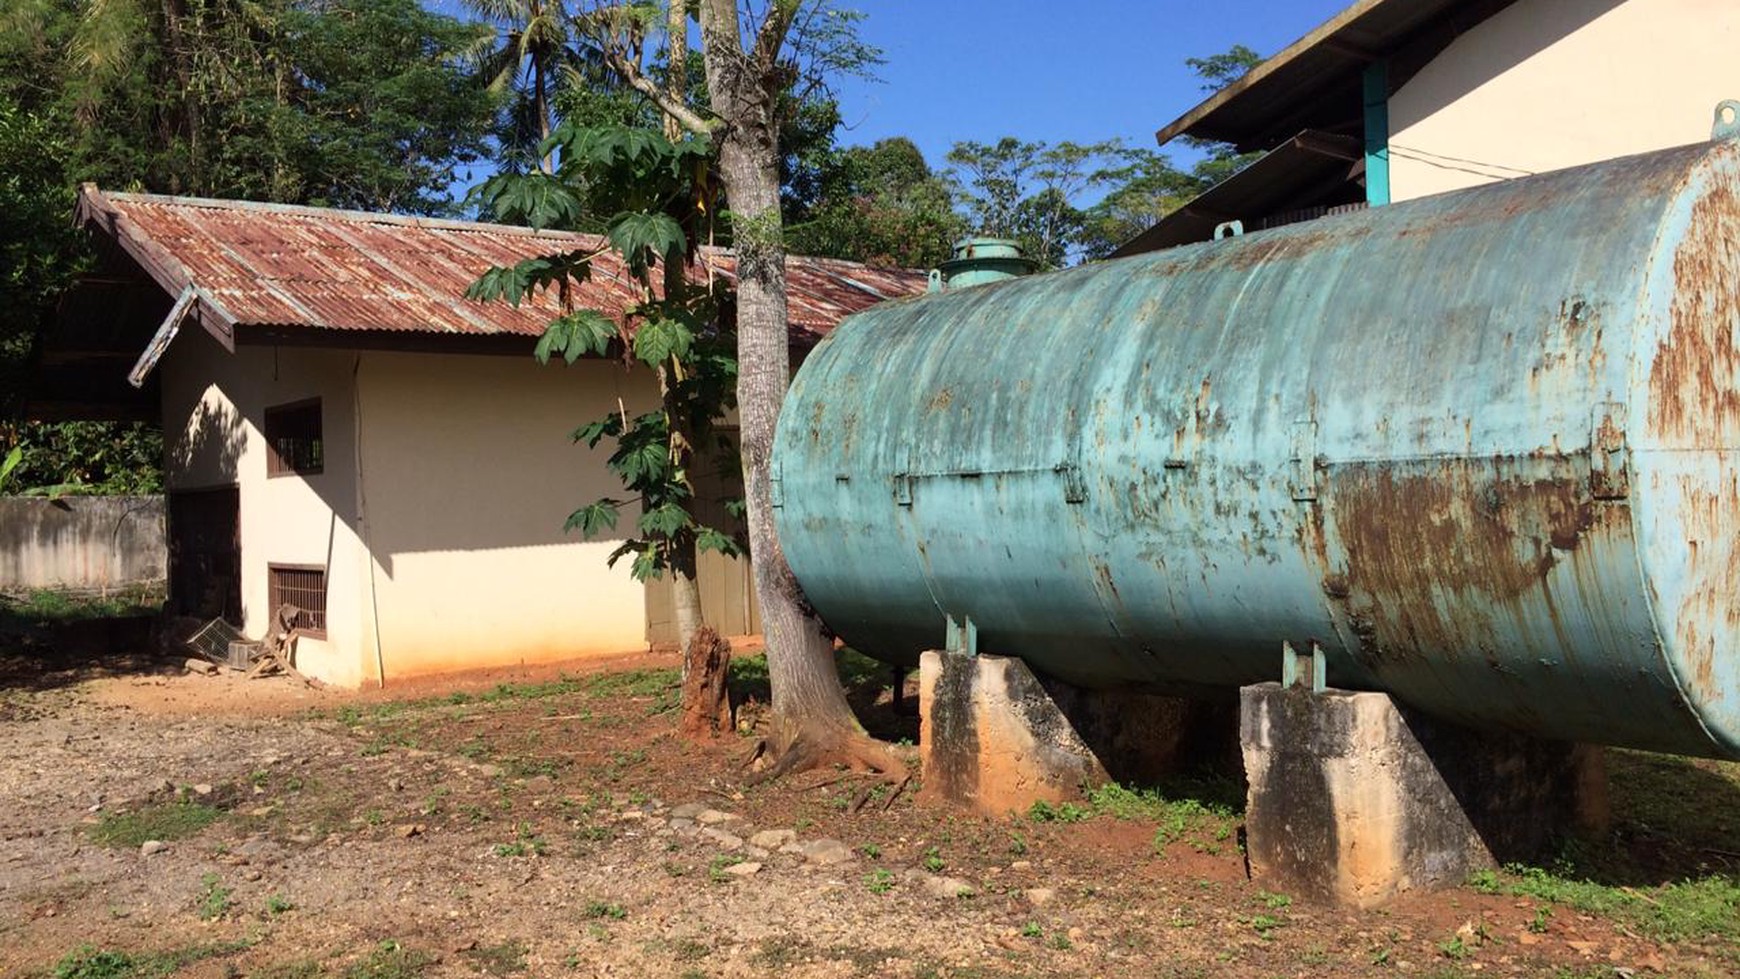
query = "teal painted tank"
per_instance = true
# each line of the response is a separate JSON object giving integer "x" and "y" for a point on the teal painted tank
{"x": 1483, "y": 449}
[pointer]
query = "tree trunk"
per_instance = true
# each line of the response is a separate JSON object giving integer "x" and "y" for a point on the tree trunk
{"x": 706, "y": 697}
{"x": 676, "y": 79}
{"x": 541, "y": 105}
{"x": 812, "y": 723}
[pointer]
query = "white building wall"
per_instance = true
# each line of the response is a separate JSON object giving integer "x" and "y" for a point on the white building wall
{"x": 469, "y": 473}
{"x": 1549, "y": 84}
{"x": 214, "y": 404}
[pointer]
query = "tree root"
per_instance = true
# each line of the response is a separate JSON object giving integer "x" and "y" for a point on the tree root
{"x": 858, "y": 752}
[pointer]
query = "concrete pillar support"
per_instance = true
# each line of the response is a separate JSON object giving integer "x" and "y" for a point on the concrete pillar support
{"x": 997, "y": 738}
{"x": 1354, "y": 799}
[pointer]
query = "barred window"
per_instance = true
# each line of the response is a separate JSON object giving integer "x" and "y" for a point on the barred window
{"x": 304, "y": 586}
{"x": 293, "y": 444}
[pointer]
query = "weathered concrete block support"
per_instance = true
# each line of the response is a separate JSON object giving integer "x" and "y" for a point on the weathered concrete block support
{"x": 1355, "y": 799}
{"x": 997, "y": 738}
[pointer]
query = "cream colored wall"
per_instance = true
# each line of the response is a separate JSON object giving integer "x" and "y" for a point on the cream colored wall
{"x": 469, "y": 473}
{"x": 214, "y": 403}
{"x": 1548, "y": 84}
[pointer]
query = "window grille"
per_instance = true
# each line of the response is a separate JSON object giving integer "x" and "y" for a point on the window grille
{"x": 304, "y": 587}
{"x": 293, "y": 443}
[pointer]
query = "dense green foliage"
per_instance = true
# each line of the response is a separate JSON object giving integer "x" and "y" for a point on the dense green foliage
{"x": 347, "y": 103}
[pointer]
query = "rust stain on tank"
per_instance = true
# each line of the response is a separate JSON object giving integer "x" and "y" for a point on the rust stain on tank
{"x": 1713, "y": 567}
{"x": 1464, "y": 528}
{"x": 1694, "y": 394}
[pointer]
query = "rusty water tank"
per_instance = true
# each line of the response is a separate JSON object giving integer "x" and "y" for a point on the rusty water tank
{"x": 1482, "y": 448}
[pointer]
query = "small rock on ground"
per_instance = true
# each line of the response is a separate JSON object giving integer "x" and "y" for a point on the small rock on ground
{"x": 727, "y": 840}
{"x": 773, "y": 839}
{"x": 946, "y": 887}
{"x": 1041, "y": 896}
{"x": 746, "y": 869}
{"x": 688, "y": 810}
{"x": 826, "y": 853}
{"x": 711, "y": 817}
{"x": 152, "y": 846}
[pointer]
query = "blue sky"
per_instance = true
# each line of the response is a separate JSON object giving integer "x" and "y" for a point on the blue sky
{"x": 1080, "y": 70}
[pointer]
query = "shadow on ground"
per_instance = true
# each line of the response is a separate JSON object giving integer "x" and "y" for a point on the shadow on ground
{"x": 46, "y": 644}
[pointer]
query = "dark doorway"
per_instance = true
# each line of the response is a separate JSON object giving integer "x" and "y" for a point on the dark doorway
{"x": 205, "y": 553}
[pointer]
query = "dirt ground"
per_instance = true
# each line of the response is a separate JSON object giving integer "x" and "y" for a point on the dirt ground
{"x": 550, "y": 824}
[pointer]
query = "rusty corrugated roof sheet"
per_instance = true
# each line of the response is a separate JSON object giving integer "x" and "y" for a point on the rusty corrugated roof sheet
{"x": 277, "y": 266}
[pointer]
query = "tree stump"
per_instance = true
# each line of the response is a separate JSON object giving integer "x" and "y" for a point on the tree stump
{"x": 706, "y": 696}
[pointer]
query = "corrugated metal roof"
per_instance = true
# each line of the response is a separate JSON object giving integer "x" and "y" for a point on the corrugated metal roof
{"x": 276, "y": 267}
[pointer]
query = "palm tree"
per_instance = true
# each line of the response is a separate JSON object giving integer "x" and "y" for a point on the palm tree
{"x": 526, "y": 53}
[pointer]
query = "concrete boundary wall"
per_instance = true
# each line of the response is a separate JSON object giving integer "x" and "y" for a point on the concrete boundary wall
{"x": 81, "y": 542}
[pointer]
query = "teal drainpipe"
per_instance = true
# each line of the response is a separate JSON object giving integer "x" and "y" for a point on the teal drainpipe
{"x": 1377, "y": 133}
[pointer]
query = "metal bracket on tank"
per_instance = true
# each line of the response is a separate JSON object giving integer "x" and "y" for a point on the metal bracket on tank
{"x": 1727, "y": 124}
{"x": 962, "y": 636}
{"x": 1303, "y": 462}
{"x": 1294, "y": 665}
{"x": 1229, "y": 229}
{"x": 1609, "y": 456}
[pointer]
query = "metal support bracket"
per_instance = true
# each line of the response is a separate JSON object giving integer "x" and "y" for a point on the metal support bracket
{"x": 903, "y": 489}
{"x": 1296, "y": 666}
{"x": 1229, "y": 229}
{"x": 1609, "y": 455}
{"x": 776, "y": 486}
{"x": 962, "y": 636}
{"x": 1074, "y": 483}
{"x": 1303, "y": 462}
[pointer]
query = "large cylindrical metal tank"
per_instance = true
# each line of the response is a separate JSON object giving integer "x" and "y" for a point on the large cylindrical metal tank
{"x": 1484, "y": 448}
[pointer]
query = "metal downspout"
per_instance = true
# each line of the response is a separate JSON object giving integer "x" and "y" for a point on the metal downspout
{"x": 1376, "y": 81}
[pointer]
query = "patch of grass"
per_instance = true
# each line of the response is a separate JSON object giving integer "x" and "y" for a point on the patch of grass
{"x": 716, "y": 870}
{"x": 300, "y": 969}
{"x": 1066, "y": 812}
{"x": 391, "y": 960}
{"x": 879, "y": 881}
{"x": 526, "y": 843}
{"x": 604, "y": 909}
{"x": 498, "y": 960}
{"x": 164, "y": 821}
{"x": 49, "y": 606}
{"x": 214, "y": 899}
{"x": 933, "y": 860}
{"x": 1692, "y": 909}
{"x": 277, "y": 904}
{"x": 90, "y": 962}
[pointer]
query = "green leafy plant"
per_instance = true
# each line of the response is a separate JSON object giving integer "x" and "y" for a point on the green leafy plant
{"x": 933, "y": 860}
{"x": 1066, "y": 812}
{"x": 879, "y": 881}
{"x": 660, "y": 195}
{"x": 214, "y": 900}
{"x": 604, "y": 909}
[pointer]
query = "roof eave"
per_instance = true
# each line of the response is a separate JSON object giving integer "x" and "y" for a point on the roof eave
{"x": 1284, "y": 57}
{"x": 96, "y": 213}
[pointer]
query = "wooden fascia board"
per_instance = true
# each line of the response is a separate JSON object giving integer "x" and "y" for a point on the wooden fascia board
{"x": 1256, "y": 75}
{"x": 97, "y": 213}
